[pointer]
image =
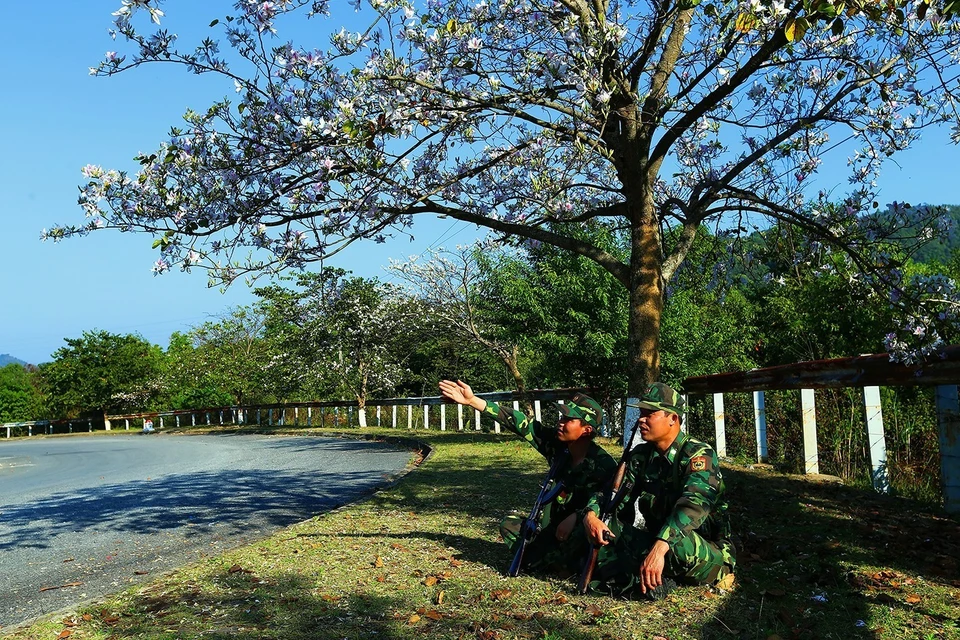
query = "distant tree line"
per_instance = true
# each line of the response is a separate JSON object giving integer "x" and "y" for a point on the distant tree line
{"x": 503, "y": 316}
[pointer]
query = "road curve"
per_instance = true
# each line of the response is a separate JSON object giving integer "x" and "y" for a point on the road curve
{"x": 103, "y": 512}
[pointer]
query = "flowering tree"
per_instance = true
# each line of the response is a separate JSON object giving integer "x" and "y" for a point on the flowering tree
{"x": 448, "y": 283}
{"x": 511, "y": 114}
{"x": 345, "y": 335}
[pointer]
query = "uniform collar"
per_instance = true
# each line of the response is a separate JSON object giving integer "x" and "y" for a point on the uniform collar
{"x": 674, "y": 449}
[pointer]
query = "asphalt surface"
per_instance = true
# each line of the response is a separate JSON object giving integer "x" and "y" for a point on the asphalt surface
{"x": 89, "y": 516}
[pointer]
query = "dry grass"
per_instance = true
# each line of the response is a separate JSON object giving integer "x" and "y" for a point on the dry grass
{"x": 422, "y": 558}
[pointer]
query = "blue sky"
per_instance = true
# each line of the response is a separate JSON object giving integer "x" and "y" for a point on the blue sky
{"x": 55, "y": 118}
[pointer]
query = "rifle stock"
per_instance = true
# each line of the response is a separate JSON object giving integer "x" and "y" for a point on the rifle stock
{"x": 531, "y": 524}
{"x": 607, "y": 509}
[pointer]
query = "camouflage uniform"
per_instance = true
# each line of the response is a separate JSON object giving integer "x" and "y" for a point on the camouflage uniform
{"x": 677, "y": 497}
{"x": 579, "y": 484}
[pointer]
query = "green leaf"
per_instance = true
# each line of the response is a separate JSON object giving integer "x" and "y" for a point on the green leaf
{"x": 241, "y": 107}
{"x": 710, "y": 10}
{"x": 837, "y": 30}
{"x": 452, "y": 25}
{"x": 215, "y": 23}
{"x": 795, "y": 29}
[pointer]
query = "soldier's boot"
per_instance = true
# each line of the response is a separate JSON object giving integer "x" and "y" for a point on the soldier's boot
{"x": 661, "y": 591}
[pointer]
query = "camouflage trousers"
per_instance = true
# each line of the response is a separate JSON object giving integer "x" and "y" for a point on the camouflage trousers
{"x": 545, "y": 552}
{"x": 694, "y": 560}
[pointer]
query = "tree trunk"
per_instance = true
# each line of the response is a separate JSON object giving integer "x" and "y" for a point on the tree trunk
{"x": 646, "y": 297}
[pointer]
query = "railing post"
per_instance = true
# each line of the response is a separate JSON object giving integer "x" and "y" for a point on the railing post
{"x": 178, "y": 420}
{"x": 208, "y": 418}
{"x": 760, "y": 420}
{"x": 409, "y": 416}
{"x": 296, "y": 416}
{"x": 161, "y": 422}
{"x": 221, "y": 417}
{"x": 443, "y": 417}
{"x": 309, "y": 416}
{"x": 349, "y": 416}
{"x": 394, "y": 424}
{"x": 878, "y": 446}
{"x": 378, "y": 416}
{"x": 808, "y": 407}
{"x": 426, "y": 417}
{"x": 948, "y": 419}
{"x": 476, "y": 421}
{"x": 719, "y": 422}
{"x": 459, "y": 417}
{"x": 29, "y": 429}
{"x": 536, "y": 410}
{"x": 8, "y": 433}
{"x": 126, "y": 424}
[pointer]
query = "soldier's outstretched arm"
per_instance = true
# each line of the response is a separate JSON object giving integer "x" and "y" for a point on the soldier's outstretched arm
{"x": 461, "y": 393}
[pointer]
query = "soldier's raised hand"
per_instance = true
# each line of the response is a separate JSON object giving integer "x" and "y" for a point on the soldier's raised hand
{"x": 459, "y": 392}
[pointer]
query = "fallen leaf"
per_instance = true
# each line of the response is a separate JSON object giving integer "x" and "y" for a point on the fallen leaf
{"x": 430, "y": 581}
{"x": 413, "y": 619}
{"x": 87, "y": 617}
{"x": 557, "y": 599}
{"x": 238, "y": 569}
{"x": 397, "y": 546}
{"x": 378, "y": 562}
{"x": 913, "y": 599}
{"x": 500, "y": 594}
{"x": 140, "y": 573}
{"x": 709, "y": 595}
{"x": 455, "y": 562}
{"x": 381, "y": 578}
{"x": 440, "y": 596}
{"x": 66, "y": 633}
{"x": 593, "y": 610}
{"x": 326, "y": 597}
{"x": 433, "y": 614}
{"x": 69, "y": 560}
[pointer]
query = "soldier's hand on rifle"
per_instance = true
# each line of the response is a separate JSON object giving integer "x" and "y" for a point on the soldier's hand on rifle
{"x": 461, "y": 393}
{"x": 565, "y": 528}
{"x": 597, "y": 533}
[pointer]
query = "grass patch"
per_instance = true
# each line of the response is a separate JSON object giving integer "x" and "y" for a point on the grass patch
{"x": 422, "y": 558}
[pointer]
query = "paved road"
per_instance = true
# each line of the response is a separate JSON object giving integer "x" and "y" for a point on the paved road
{"x": 109, "y": 511}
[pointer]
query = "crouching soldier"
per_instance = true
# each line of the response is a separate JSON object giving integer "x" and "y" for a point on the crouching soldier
{"x": 582, "y": 469}
{"x": 671, "y": 526}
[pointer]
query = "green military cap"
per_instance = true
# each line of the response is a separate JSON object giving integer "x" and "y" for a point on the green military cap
{"x": 585, "y": 408}
{"x": 659, "y": 396}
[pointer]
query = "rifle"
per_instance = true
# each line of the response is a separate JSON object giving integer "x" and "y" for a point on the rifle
{"x": 617, "y": 490}
{"x": 531, "y": 524}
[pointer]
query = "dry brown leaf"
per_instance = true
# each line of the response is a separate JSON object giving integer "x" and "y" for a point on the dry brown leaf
{"x": 557, "y": 599}
{"x": 454, "y": 562}
{"x": 66, "y": 633}
{"x": 381, "y": 578}
{"x": 913, "y": 599}
{"x": 659, "y": 638}
{"x": 378, "y": 562}
{"x": 593, "y": 610}
{"x": 413, "y": 619}
{"x": 440, "y": 596}
{"x": 433, "y": 614}
{"x": 87, "y": 617}
{"x": 500, "y": 594}
{"x": 69, "y": 622}
{"x": 396, "y": 546}
{"x": 326, "y": 597}
{"x": 430, "y": 581}
{"x": 709, "y": 595}
{"x": 140, "y": 573}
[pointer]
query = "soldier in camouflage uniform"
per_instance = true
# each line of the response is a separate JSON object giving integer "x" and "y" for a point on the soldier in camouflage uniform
{"x": 671, "y": 525}
{"x": 561, "y": 543}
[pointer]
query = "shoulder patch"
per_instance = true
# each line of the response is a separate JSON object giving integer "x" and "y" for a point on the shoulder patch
{"x": 699, "y": 463}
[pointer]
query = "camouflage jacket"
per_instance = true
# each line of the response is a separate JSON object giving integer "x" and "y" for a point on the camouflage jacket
{"x": 674, "y": 493}
{"x": 579, "y": 482}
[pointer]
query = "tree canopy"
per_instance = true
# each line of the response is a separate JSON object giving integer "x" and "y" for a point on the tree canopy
{"x": 512, "y": 114}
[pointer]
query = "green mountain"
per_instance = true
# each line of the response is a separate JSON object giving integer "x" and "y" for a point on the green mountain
{"x": 6, "y": 358}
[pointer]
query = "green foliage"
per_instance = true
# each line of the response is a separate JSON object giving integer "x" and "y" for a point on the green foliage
{"x": 101, "y": 372}
{"x": 20, "y": 399}
{"x": 568, "y": 314}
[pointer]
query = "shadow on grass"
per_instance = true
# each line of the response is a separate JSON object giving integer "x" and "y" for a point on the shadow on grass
{"x": 820, "y": 559}
{"x": 237, "y": 604}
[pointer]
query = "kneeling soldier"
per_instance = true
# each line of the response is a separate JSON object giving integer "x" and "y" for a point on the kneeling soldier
{"x": 672, "y": 525}
{"x": 584, "y": 468}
